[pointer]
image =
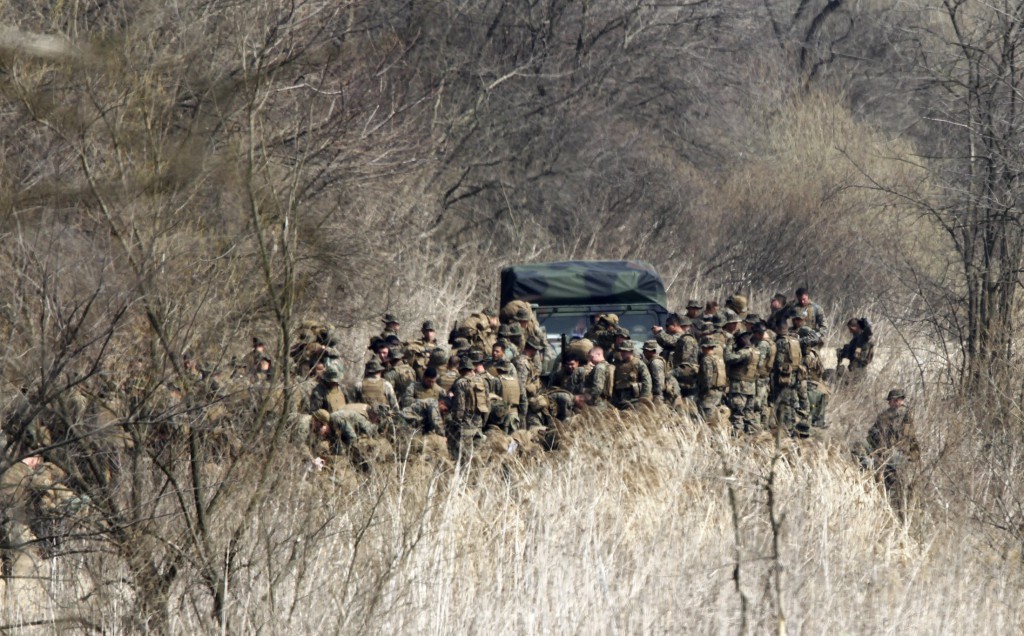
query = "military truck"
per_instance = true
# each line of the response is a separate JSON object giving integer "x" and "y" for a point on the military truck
{"x": 568, "y": 296}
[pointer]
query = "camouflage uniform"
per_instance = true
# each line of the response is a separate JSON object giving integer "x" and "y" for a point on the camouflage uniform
{"x": 424, "y": 415}
{"x": 327, "y": 394}
{"x": 400, "y": 374}
{"x": 892, "y": 446}
{"x": 420, "y": 391}
{"x": 741, "y": 367}
{"x": 656, "y": 367}
{"x": 765, "y": 363}
{"x": 685, "y": 364}
{"x": 508, "y": 411}
{"x": 632, "y": 380}
{"x": 597, "y": 383}
{"x": 470, "y": 407}
{"x": 860, "y": 350}
{"x": 712, "y": 379}
{"x": 814, "y": 377}
{"x": 376, "y": 391}
{"x": 789, "y": 388}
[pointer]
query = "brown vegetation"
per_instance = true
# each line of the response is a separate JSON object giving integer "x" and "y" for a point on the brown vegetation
{"x": 179, "y": 176}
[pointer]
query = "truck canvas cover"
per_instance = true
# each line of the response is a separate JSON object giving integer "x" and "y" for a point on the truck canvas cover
{"x": 583, "y": 283}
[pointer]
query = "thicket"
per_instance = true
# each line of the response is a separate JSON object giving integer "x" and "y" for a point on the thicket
{"x": 177, "y": 177}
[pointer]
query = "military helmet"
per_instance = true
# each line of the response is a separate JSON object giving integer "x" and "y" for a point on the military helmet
{"x": 522, "y": 315}
{"x": 612, "y": 319}
{"x": 651, "y": 345}
{"x": 428, "y": 325}
{"x": 322, "y": 415}
{"x": 465, "y": 364}
{"x": 896, "y": 394}
{"x": 373, "y": 366}
{"x": 535, "y": 342}
{"x": 737, "y": 303}
{"x": 438, "y": 357}
{"x": 389, "y": 318}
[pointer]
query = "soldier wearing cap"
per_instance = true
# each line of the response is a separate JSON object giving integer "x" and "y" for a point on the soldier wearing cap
{"x": 528, "y": 372}
{"x": 327, "y": 394}
{"x": 470, "y": 408}
{"x": 694, "y": 308}
{"x": 429, "y": 335}
{"x": 506, "y": 340}
{"x": 664, "y": 387}
{"x": 602, "y": 332}
{"x": 684, "y": 363}
{"x": 892, "y": 448}
{"x": 712, "y": 379}
{"x": 632, "y": 380}
{"x": 373, "y": 389}
{"x": 391, "y": 325}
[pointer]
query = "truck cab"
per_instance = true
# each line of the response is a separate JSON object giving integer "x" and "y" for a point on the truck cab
{"x": 568, "y": 296}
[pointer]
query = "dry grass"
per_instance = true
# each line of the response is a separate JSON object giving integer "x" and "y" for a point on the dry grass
{"x": 627, "y": 528}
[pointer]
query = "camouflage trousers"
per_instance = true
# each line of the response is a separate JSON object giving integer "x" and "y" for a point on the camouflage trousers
{"x": 790, "y": 413}
{"x": 463, "y": 436}
{"x": 817, "y": 402}
{"x": 708, "y": 403}
{"x": 764, "y": 402}
{"x": 746, "y": 415}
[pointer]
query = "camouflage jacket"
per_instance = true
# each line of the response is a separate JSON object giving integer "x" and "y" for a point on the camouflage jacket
{"x": 528, "y": 373}
{"x": 893, "y": 435}
{"x": 417, "y": 391}
{"x": 656, "y": 367}
{"x": 598, "y": 381}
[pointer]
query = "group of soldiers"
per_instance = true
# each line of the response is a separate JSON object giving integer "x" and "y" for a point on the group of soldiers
{"x": 727, "y": 365}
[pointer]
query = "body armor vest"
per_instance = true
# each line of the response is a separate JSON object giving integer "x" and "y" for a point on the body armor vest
{"x": 373, "y": 391}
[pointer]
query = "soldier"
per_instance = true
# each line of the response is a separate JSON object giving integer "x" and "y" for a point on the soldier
{"x": 470, "y": 407}
{"x": 327, "y": 394}
{"x": 426, "y": 389}
{"x": 765, "y": 346}
{"x": 34, "y": 502}
{"x": 731, "y": 323}
{"x": 814, "y": 370}
{"x": 528, "y": 372}
{"x": 859, "y": 351}
{"x": 632, "y": 380}
{"x": 508, "y": 412}
{"x": 428, "y": 337}
{"x": 788, "y": 387}
{"x": 446, "y": 379}
{"x": 741, "y": 367}
{"x": 570, "y": 381}
{"x": 427, "y": 415}
{"x": 602, "y": 332}
{"x": 391, "y": 325}
{"x": 712, "y": 379}
{"x": 684, "y": 362}
{"x": 375, "y": 390}
{"x": 738, "y": 304}
{"x": 813, "y": 312}
{"x": 332, "y": 433}
{"x": 399, "y": 373}
{"x": 598, "y": 383}
{"x": 693, "y": 311}
{"x": 711, "y": 312}
{"x": 661, "y": 380}
{"x": 891, "y": 449}
{"x": 524, "y": 322}
{"x": 668, "y": 336}
{"x": 778, "y": 312}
